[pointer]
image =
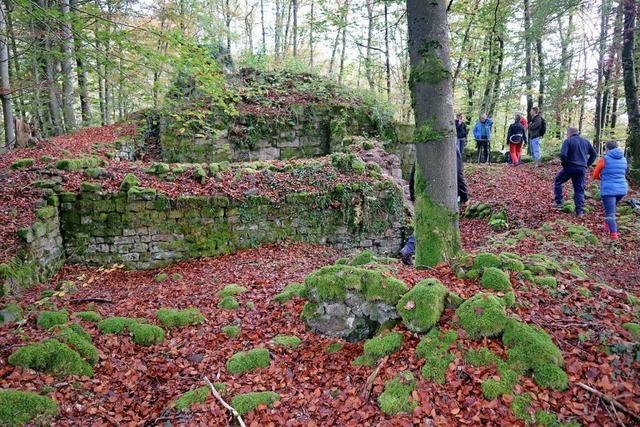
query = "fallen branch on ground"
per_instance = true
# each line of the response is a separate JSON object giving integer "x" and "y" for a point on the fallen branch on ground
{"x": 81, "y": 300}
{"x": 368, "y": 387}
{"x": 610, "y": 400}
{"x": 225, "y": 404}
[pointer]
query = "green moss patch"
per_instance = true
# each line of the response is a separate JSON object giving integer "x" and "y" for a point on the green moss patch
{"x": 633, "y": 329}
{"x": 520, "y": 408}
{"x": 481, "y": 357}
{"x": 129, "y": 181}
{"x": 115, "y": 325}
{"x": 585, "y": 292}
{"x": 333, "y": 282}
{"x": 161, "y": 277}
{"x": 380, "y": 346}
{"x": 546, "y": 281}
{"x": 228, "y": 303}
{"x": 231, "y": 290}
{"x": 287, "y": 341}
{"x": 581, "y": 235}
{"x": 50, "y": 356}
{"x": 172, "y": 318}
{"x": 190, "y": 398}
{"x": 247, "y": 402}
{"x": 10, "y": 313}
{"x": 364, "y": 257}
{"x": 245, "y": 361}
{"x": 48, "y": 319}
{"x": 422, "y": 306}
{"x": 396, "y": 396}
{"x": 486, "y": 260}
{"x": 77, "y": 339}
{"x": 334, "y": 347}
{"x": 88, "y": 316}
{"x": 78, "y": 164}
{"x": 22, "y": 164}
{"x": 482, "y": 315}
{"x": 231, "y": 331}
{"x": 434, "y": 349}
{"x": 495, "y": 279}
{"x": 550, "y": 376}
{"x": 289, "y": 292}
{"x": 18, "y": 408}
{"x": 46, "y": 212}
{"x": 492, "y": 388}
{"x": 144, "y": 334}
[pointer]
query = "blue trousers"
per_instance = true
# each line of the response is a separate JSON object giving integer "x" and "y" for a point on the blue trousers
{"x": 576, "y": 175}
{"x": 609, "y": 203}
{"x": 535, "y": 149}
{"x": 410, "y": 247}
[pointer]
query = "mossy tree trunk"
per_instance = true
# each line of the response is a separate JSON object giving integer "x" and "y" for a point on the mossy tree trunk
{"x": 436, "y": 224}
{"x": 631, "y": 85}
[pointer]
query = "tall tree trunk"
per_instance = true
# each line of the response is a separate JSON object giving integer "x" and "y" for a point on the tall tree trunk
{"x": 285, "y": 45}
{"x": 344, "y": 41}
{"x": 631, "y": 84}
{"x": 387, "y": 54}
{"x": 465, "y": 40}
{"x": 248, "y": 27}
{"x": 294, "y": 6}
{"x": 599, "y": 115}
{"x": 5, "y": 93}
{"x": 277, "y": 30}
{"x": 527, "y": 53}
{"x": 20, "y": 107}
{"x": 541, "y": 73}
{"x": 52, "y": 86}
{"x": 368, "y": 62}
{"x": 227, "y": 24}
{"x": 67, "y": 68}
{"x": 264, "y": 33}
{"x": 311, "y": 24}
{"x": 436, "y": 224}
{"x": 583, "y": 97}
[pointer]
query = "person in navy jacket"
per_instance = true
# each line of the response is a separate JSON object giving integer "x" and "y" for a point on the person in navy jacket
{"x": 482, "y": 135}
{"x": 611, "y": 171}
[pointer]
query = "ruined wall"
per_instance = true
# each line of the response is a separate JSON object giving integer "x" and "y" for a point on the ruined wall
{"x": 144, "y": 229}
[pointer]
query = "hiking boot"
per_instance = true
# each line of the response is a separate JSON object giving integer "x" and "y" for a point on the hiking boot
{"x": 579, "y": 214}
{"x": 615, "y": 236}
{"x": 406, "y": 258}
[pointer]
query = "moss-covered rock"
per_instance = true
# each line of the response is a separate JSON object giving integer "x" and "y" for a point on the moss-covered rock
{"x": 334, "y": 347}
{"x": 486, "y": 260}
{"x": 434, "y": 349}
{"x": 289, "y": 292}
{"x": 546, "y": 281}
{"x": 46, "y": 212}
{"x": 88, "y": 316}
{"x": 396, "y": 396}
{"x": 495, "y": 279}
{"x": 115, "y": 325}
{"x": 287, "y": 341}
{"x": 382, "y": 345}
{"x": 18, "y": 408}
{"x": 232, "y": 331}
{"x": 129, "y": 181}
{"x": 144, "y": 334}
{"x": 247, "y": 402}
{"x": 50, "y": 356}
{"x": 172, "y": 318}
{"x": 10, "y": 313}
{"x": 422, "y": 306}
{"x": 492, "y": 388}
{"x": 78, "y": 164}
{"x": 48, "y": 319}
{"x": 158, "y": 169}
{"x": 228, "y": 303}
{"x": 550, "y": 376}
{"x": 633, "y": 329}
{"x": 481, "y": 357}
{"x": 482, "y": 315}
{"x": 190, "y": 398}
{"x": 245, "y": 361}
{"x": 363, "y": 257}
{"x": 22, "y": 164}
{"x": 520, "y": 408}
{"x": 77, "y": 339}
{"x": 231, "y": 290}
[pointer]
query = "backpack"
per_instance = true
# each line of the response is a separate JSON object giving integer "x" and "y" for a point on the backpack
{"x": 543, "y": 127}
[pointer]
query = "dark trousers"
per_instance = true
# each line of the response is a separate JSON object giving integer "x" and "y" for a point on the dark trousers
{"x": 463, "y": 194}
{"x": 609, "y": 203}
{"x": 576, "y": 174}
{"x": 483, "y": 150}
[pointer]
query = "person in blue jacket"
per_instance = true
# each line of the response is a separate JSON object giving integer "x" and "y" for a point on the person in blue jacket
{"x": 482, "y": 135}
{"x": 576, "y": 155}
{"x": 611, "y": 170}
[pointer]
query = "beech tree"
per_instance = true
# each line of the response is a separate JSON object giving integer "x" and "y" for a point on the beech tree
{"x": 436, "y": 224}
{"x": 630, "y": 11}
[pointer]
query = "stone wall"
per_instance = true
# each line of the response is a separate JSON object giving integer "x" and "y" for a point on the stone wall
{"x": 144, "y": 229}
{"x": 41, "y": 254}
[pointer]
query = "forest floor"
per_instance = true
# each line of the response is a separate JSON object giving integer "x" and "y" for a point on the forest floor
{"x": 134, "y": 385}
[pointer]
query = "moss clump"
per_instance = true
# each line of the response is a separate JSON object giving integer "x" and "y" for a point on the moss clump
{"x": 633, "y": 329}
{"x": 434, "y": 348}
{"x": 88, "y": 316}
{"x": 481, "y": 357}
{"x": 492, "y": 389}
{"x": 496, "y": 279}
{"x": 231, "y": 331}
{"x": 333, "y": 282}
{"x": 247, "y": 402}
{"x": 144, "y": 334}
{"x": 511, "y": 262}
{"x": 89, "y": 187}
{"x": 172, "y": 318}
{"x": 422, "y": 306}
{"x": 581, "y": 235}
{"x": 520, "y": 407}
{"x": 546, "y": 418}
{"x": 78, "y": 341}
{"x": 546, "y": 281}
{"x": 245, "y": 361}
{"x": 115, "y": 325}
{"x": 50, "y": 356}
{"x": 486, "y": 260}
{"x": 22, "y": 164}
{"x": 129, "y": 181}
{"x": 228, "y": 303}
{"x": 78, "y": 329}
{"x": 509, "y": 299}
{"x": 292, "y": 290}
{"x": 396, "y": 396}
{"x": 550, "y": 376}
{"x": 158, "y": 169}
{"x": 46, "y": 212}
{"x": 200, "y": 175}
{"x": 379, "y": 346}
{"x": 96, "y": 173}
{"x": 161, "y": 277}
{"x": 231, "y": 290}
{"x": 77, "y": 164}
{"x": 287, "y": 341}
{"x": 364, "y": 257}
{"x": 10, "y": 313}
{"x": 18, "y": 408}
{"x": 482, "y": 315}
{"x": 584, "y": 292}
{"x": 190, "y": 398}
{"x": 334, "y": 347}
{"x": 48, "y": 319}
{"x": 176, "y": 277}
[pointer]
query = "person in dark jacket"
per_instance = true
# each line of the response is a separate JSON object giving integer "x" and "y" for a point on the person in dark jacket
{"x": 516, "y": 138}
{"x": 461, "y": 133}
{"x": 406, "y": 253}
{"x": 535, "y": 134}
{"x": 611, "y": 170}
{"x": 576, "y": 155}
{"x": 482, "y": 135}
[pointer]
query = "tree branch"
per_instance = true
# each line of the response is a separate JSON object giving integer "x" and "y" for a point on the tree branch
{"x": 610, "y": 400}
{"x": 225, "y": 404}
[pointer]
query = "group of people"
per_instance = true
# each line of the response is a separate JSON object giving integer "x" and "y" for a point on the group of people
{"x": 576, "y": 156}
{"x": 519, "y": 133}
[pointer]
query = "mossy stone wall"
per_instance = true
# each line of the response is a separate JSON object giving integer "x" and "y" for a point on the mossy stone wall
{"x": 145, "y": 229}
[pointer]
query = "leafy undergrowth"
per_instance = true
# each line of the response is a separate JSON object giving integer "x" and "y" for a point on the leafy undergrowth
{"x": 134, "y": 383}
{"x": 525, "y": 193}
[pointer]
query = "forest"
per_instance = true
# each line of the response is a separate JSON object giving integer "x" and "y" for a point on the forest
{"x": 313, "y": 213}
